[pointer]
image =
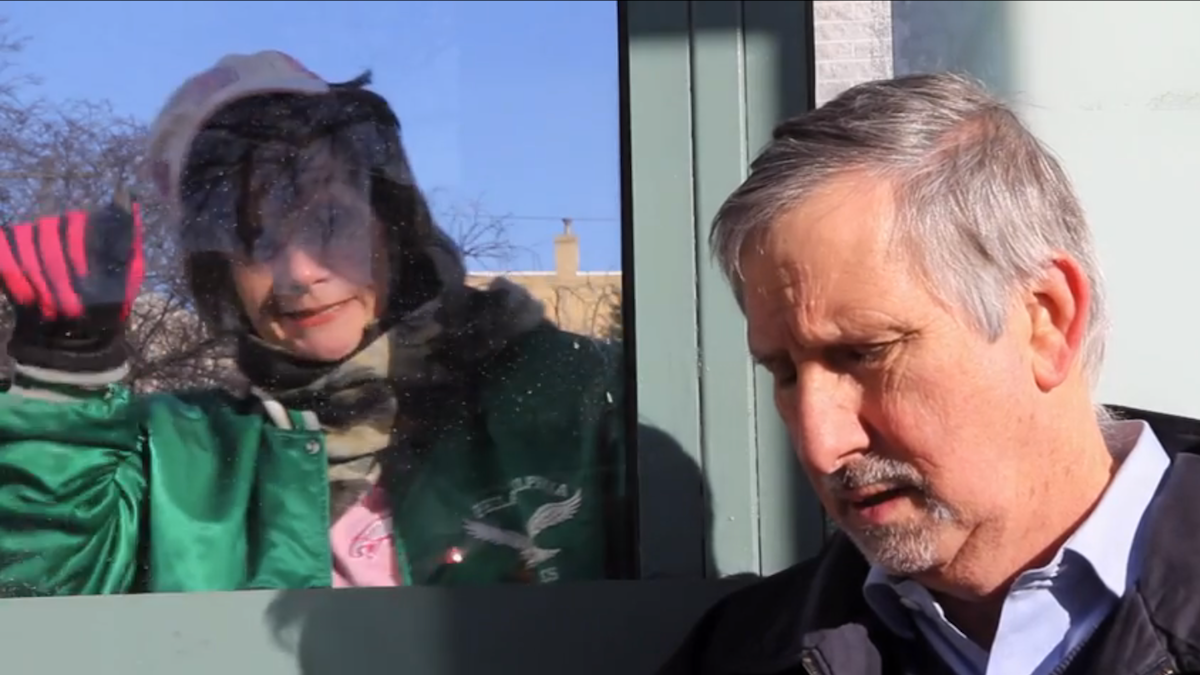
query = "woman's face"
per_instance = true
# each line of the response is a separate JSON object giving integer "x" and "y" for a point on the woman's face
{"x": 315, "y": 302}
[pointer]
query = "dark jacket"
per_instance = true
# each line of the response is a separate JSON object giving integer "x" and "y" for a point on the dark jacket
{"x": 811, "y": 619}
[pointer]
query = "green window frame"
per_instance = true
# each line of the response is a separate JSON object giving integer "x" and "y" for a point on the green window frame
{"x": 706, "y": 80}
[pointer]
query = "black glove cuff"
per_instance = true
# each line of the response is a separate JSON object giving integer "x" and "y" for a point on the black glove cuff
{"x": 69, "y": 353}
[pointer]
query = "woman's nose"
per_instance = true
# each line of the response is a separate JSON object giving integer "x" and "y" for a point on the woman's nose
{"x": 296, "y": 269}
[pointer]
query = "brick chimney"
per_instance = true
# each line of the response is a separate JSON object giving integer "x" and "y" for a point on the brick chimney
{"x": 566, "y": 252}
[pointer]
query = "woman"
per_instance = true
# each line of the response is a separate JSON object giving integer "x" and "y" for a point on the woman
{"x": 402, "y": 428}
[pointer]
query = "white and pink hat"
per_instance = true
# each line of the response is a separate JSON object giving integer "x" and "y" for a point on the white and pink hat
{"x": 235, "y": 76}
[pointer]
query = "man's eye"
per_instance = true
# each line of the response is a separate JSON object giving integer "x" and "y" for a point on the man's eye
{"x": 784, "y": 374}
{"x": 781, "y": 370}
{"x": 852, "y": 356}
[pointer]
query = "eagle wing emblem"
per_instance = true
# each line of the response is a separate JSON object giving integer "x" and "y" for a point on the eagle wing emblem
{"x": 544, "y": 517}
{"x": 495, "y": 535}
{"x": 548, "y": 515}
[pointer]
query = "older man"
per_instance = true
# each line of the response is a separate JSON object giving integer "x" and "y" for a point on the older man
{"x": 919, "y": 279}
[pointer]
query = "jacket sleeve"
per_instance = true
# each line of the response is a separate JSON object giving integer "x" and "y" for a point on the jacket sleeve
{"x": 72, "y": 489}
{"x": 690, "y": 657}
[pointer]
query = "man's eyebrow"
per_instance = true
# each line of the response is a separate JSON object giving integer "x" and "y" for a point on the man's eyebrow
{"x": 866, "y": 323}
{"x": 883, "y": 333}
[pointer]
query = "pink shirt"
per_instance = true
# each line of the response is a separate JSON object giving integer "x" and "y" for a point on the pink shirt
{"x": 361, "y": 541}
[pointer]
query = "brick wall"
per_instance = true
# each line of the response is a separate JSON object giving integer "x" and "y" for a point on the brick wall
{"x": 853, "y": 43}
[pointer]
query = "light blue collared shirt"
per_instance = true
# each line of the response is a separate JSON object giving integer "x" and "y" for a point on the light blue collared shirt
{"x": 1050, "y": 611}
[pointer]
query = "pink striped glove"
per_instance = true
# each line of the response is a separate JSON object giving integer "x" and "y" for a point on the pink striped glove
{"x": 72, "y": 279}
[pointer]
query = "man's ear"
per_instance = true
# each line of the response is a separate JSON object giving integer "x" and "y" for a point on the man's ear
{"x": 1059, "y": 303}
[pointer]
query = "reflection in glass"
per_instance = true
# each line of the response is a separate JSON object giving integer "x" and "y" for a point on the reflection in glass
{"x": 254, "y": 347}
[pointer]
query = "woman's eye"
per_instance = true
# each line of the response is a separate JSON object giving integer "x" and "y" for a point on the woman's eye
{"x": 267, "y": 248}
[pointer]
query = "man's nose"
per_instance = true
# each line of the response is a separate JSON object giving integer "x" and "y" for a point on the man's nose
{"x": 826, "y": 420}
{"x": 295, "y": 269}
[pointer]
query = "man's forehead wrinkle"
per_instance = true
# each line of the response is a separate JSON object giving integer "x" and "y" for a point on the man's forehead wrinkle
{"x": 793, "y": 294}
{"x": 807, "y": 302}
{"x": 792, "y": 305}
{"x": 817, "y": 271}
{"x": 772, "y": 294}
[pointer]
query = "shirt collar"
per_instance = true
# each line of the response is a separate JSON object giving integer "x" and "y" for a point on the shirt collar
{"x": 1106, "y": 539}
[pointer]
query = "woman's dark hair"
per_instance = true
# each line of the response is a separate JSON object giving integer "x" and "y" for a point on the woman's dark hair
{"x": 264, "y": 139}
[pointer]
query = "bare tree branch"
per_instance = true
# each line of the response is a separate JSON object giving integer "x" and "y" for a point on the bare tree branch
{"x": 590, "y": 308}
{"x": 79, "y": 154}
{"x": 59, "y": 155}
{"x": 482, "y": 237}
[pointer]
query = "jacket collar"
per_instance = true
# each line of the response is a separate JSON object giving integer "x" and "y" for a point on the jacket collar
{"x": 1168, "y": 589}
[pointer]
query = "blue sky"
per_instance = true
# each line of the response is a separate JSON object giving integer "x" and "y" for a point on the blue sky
{"x": 511, "y": 105}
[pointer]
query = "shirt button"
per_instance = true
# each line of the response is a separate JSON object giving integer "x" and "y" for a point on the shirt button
{"x": 313, "y": 446}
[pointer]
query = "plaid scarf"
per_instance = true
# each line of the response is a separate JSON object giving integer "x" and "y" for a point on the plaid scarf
{"x": 387, "y": 402}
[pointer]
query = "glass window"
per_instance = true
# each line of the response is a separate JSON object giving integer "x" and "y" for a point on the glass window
{"x": 310, "y": 294}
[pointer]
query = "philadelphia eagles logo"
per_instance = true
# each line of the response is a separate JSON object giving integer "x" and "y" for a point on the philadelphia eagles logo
{"x": 545, "y": 517}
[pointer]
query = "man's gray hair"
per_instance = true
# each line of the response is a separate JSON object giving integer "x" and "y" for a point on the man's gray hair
{"x": 981, "y": 204}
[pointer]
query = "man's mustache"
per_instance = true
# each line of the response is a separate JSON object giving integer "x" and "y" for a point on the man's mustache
{"x": 874, "y": 470}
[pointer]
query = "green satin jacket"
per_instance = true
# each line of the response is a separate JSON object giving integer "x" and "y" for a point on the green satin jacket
{"x": 117, "y": 493}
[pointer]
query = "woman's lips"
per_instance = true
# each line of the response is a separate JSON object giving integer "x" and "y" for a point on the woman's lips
{"x": 308, "y": 318}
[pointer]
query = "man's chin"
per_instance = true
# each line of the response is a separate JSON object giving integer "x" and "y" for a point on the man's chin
{"x": 901, "y": 549}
